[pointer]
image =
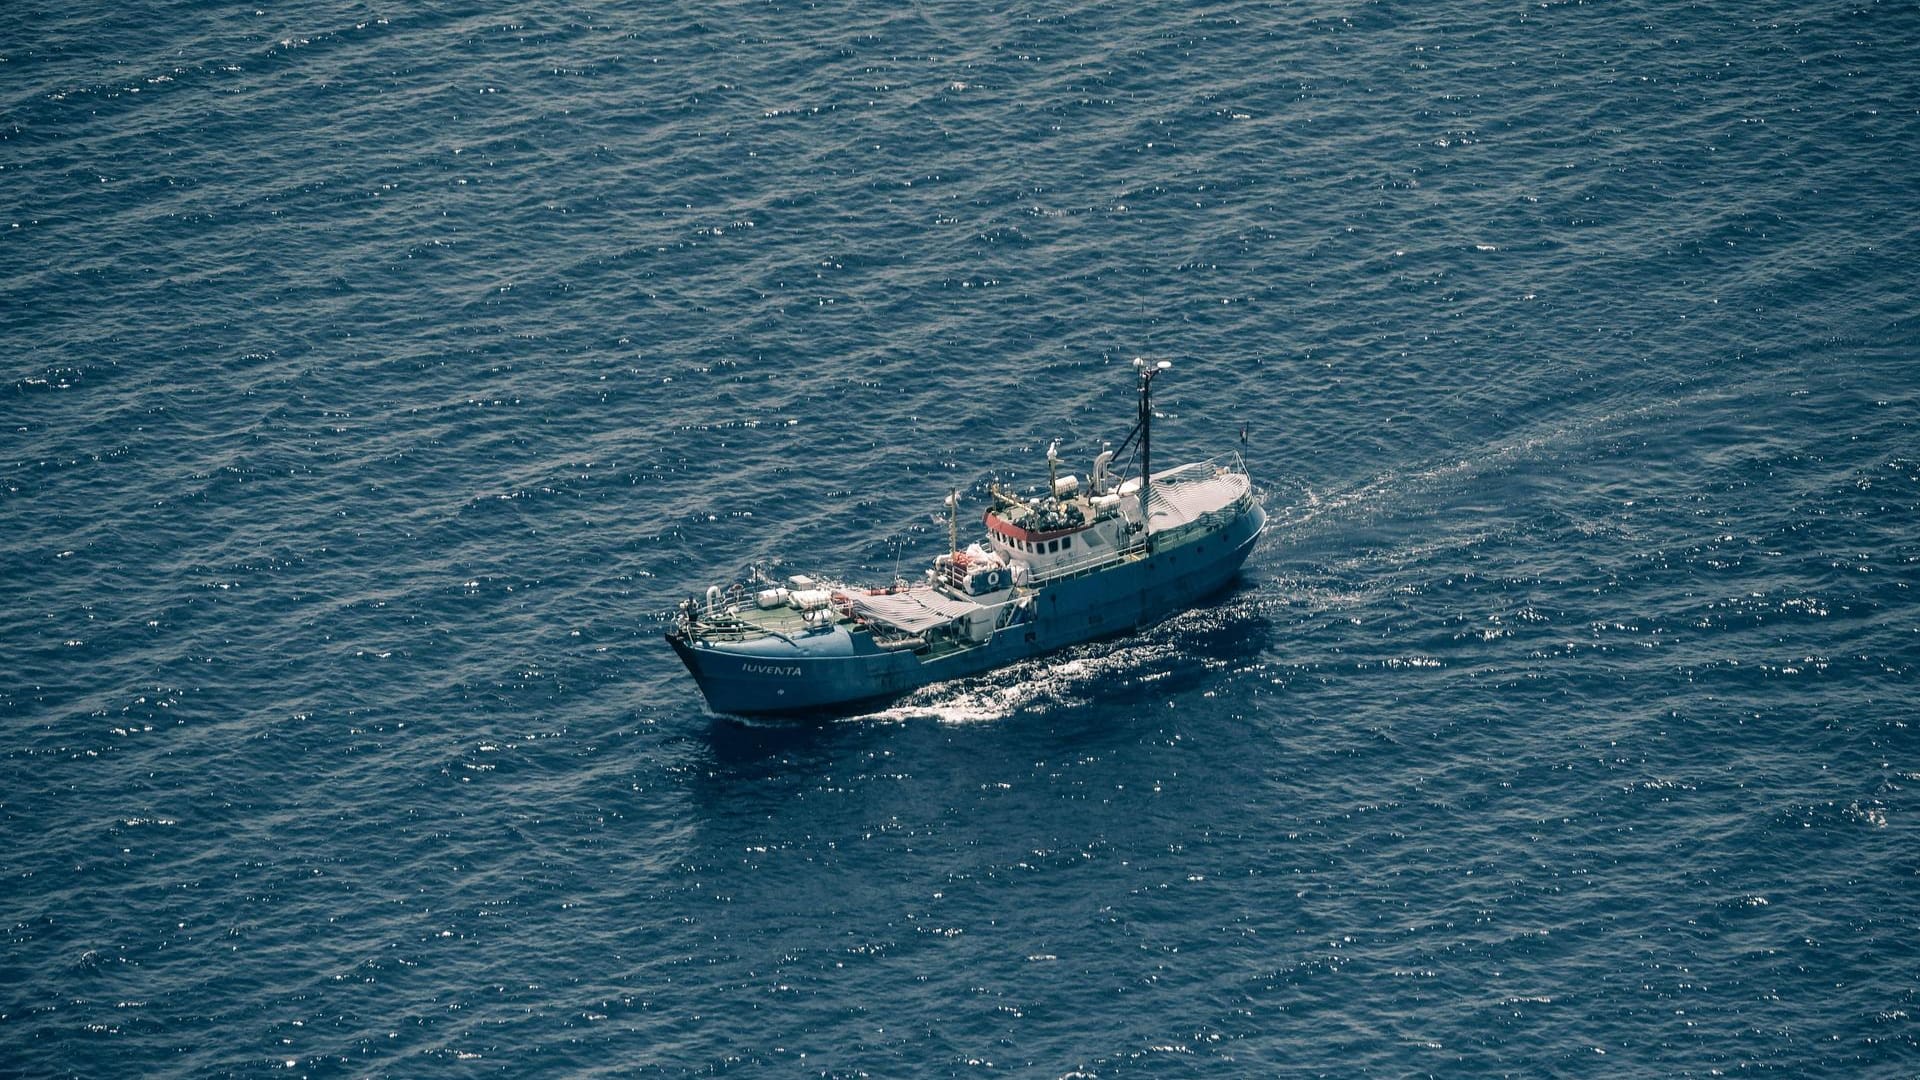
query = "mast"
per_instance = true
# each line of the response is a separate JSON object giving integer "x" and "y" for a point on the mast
{"x": 1147, "y": 372}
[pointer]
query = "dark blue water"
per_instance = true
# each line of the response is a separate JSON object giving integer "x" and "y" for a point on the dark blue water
{"x": 375, "y": 379}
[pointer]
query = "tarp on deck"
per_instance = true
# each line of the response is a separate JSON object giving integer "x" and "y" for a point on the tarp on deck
{"x": 1193, "y": 491}
{"x": 914, "y": 610}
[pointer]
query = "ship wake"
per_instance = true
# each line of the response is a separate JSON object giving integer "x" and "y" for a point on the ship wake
{"x": 1178, "y": 653}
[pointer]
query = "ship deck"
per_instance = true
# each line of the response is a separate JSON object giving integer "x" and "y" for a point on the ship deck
{"x": 751, "y": 622}
{"x": 1186, "y": 503}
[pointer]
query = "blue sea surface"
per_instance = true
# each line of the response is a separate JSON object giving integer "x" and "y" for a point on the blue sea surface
{"x": 376, "y": 381}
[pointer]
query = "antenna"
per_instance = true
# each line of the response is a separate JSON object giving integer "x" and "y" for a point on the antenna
{"x": 1147, "y": 372}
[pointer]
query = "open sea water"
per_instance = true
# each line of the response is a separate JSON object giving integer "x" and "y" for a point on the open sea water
{"x": 376, "y": 380}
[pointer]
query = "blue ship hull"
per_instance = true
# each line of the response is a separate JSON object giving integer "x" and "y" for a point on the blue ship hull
{"x": 841, "y": 665}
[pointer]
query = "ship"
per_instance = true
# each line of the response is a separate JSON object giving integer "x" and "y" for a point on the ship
{"x": 1057, "y": 566}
